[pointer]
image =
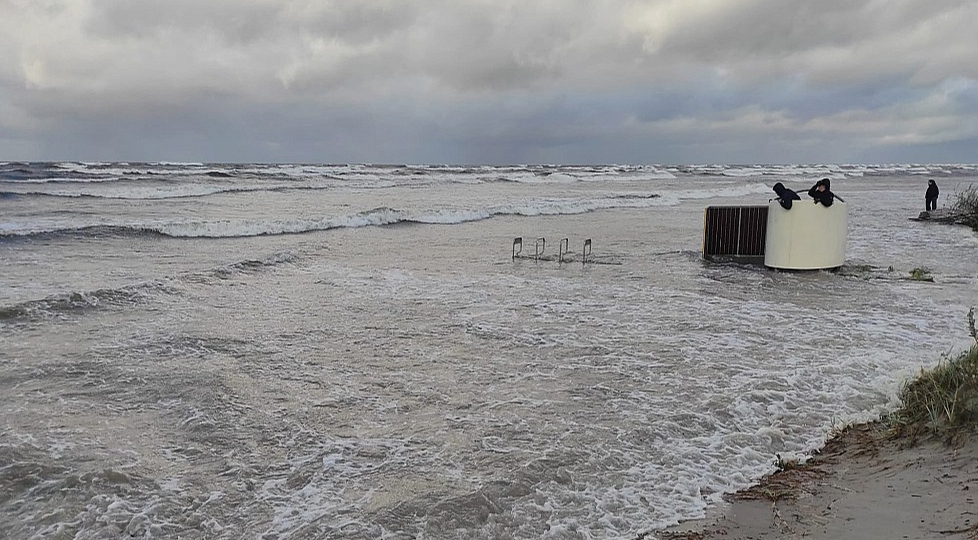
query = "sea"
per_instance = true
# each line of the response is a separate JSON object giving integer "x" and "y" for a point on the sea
{"x": 358, "y": 351}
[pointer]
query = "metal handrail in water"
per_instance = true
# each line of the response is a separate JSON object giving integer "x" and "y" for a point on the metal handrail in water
{"x": 563, "y": 249}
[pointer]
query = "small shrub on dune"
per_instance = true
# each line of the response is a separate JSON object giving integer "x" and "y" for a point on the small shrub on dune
{"x": 942, "y": 400}
{"x": 966, "y": 205}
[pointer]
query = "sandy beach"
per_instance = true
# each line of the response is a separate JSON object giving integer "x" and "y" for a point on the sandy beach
{"x": 860, "y": 486}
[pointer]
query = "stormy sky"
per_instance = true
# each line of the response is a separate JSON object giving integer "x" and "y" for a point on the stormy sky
{"x": 490, "y": 81}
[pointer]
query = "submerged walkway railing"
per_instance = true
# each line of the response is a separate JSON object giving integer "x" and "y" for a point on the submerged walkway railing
{"x": 564, "y": 254}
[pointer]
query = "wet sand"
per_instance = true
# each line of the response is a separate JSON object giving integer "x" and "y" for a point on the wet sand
{"x": 858, "y": 486}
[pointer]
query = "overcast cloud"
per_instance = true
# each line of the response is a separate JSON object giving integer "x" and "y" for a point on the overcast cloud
{"x": 490, "y": 81}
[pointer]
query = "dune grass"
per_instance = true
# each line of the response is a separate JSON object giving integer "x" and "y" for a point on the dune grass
{"x": 966, "y": 204}
{"x": 943, "y": 400}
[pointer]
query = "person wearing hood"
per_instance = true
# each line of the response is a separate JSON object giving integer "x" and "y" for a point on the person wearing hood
{"x": 821, "y": 193}
{"x": 785, "y": 196}
{"x": 930, "y": 198}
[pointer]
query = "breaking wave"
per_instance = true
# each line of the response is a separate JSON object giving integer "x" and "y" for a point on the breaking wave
{"x": 77, "y": 302}
{"x": 179, "y": 191}
{"x": 386, "y": 216}
{"x": 380, "y": 216}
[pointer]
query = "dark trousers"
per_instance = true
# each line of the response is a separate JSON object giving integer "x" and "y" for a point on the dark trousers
{"x": 931, "y": 203}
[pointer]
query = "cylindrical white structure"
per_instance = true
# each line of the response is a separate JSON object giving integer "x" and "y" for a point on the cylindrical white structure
{"x": 807, "y": 237}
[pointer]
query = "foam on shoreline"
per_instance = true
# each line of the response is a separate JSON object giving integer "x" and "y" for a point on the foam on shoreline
{"x": 858, "y": 485}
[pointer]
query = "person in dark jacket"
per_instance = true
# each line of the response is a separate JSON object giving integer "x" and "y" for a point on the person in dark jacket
{"x": 785, "y": 196}
{"x": 821, "y": 193}
{"x": 930, "y": 198}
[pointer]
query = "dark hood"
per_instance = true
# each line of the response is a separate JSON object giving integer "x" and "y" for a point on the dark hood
{"x": 785, "y": 193}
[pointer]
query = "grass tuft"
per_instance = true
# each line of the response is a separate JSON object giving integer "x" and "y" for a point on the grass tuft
{"x": 966, "y": 204}
{"x": 943, "y": 400}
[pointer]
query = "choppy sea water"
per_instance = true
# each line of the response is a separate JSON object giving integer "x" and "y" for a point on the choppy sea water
{"x": 351, "y": 351}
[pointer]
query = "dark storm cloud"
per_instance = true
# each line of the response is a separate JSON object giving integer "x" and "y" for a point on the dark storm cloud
{"x": 488, "y": 80}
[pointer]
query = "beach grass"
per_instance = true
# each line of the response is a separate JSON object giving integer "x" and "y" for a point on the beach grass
{"x": 966, "y": 205}
{"x": 940, "y": 401}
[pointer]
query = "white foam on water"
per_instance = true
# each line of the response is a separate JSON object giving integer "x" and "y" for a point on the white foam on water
{"x": 730, "y": 191}
{"x": 536, "y": 176}
{"x": 184, "y": 190}
{"x": 48, "y": 180}
{"x": 178, "y": 164}
{"x": 383, "y": 216}
{"x": 348, "y": 397}
{"x": 666, "y": 433}
{"x": 741, "y": 172}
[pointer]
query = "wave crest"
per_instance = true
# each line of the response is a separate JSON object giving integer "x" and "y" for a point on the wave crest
{"x": 77, "y": 302}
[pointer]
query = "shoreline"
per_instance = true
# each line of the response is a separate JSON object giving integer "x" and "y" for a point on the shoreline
{"x": 859, "y": 485}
